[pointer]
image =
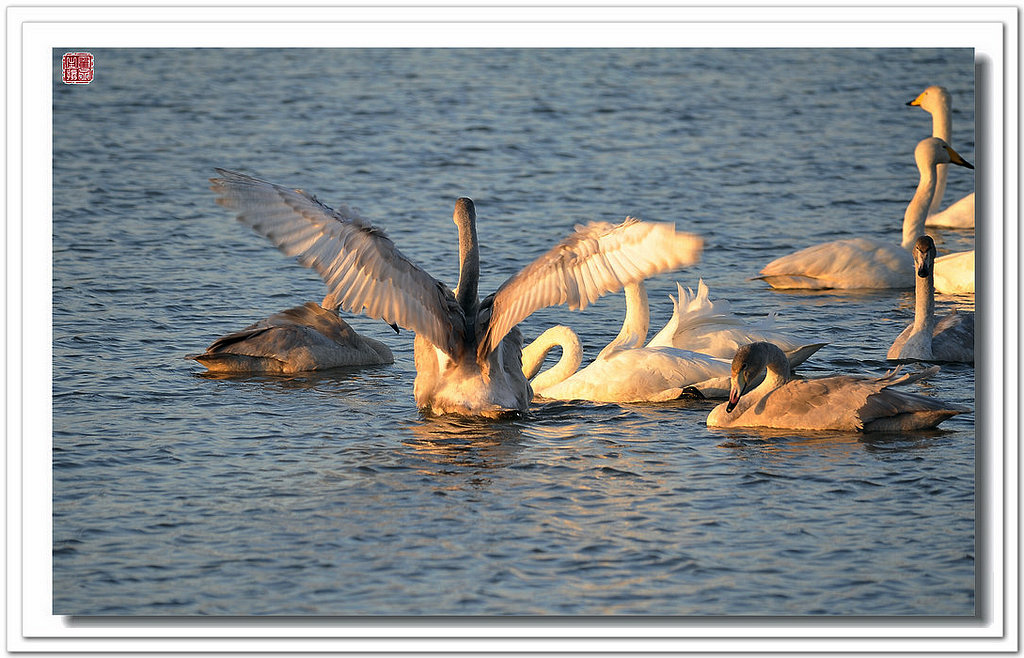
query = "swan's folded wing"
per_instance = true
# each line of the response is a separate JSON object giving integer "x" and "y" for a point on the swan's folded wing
{"x": 596, "y": 259}
{"x": 363, "y": 270}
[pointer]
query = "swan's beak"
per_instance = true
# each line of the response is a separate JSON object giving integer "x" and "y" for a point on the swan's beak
{"x": 918, "y": 100}
{"x": 735, "y": 391}
{"x": 957, "y": 159}
{"x": 923, "y": 270}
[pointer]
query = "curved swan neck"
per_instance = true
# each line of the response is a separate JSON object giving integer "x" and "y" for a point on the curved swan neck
{"x": 942, "y": 127}
{"x": 534, "y": 353}
{"x": 634, "y": 326}
{"x": 917, "y": 212}
{"x": 469, "y": 255}
{"x": 924, "y": 304}
{"x": 777, "y": 370}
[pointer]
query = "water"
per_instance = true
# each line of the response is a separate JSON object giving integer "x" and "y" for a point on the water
{"x": 177, "y": 493}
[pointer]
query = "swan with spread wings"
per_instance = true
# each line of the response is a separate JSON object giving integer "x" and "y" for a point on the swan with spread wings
{"x": 468, "y": 352}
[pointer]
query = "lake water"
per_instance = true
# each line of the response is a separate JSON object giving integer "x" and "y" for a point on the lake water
{"x": 176, "y": 493}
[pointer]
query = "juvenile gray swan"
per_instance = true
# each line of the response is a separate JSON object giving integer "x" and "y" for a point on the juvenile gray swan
{"x": 468, "y": 352}
{"x": 843, "y": 402}
{"x": 300, "y": 339}
{"x": 949, "y": 339}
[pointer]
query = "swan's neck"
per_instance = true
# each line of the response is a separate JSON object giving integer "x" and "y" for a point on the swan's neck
{"x": 534, "y": 353}
{"x": 469, "y": 266}
{"x": 634, "y": 326}
{"x": 942, "y": 127}
{"x": 777, "y": 371}
{"x": 917, "y": 211}
{"x": 924, "y": 308}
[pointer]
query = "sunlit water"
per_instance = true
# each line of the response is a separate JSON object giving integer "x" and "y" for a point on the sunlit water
{"x": 329, "y": 494}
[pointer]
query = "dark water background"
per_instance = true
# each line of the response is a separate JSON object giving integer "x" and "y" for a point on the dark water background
{"x": 329, "y": 494}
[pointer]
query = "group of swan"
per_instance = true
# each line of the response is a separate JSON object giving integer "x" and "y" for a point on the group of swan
{"x": 467, "y": 351}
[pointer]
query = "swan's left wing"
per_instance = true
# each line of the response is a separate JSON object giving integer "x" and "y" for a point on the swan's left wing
{"x": 596, "y": 259}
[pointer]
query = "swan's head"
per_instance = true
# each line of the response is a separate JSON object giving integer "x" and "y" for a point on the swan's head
{"x": 747, "y": 364}
{"x": 932, "y": 99}
{"x": 933, "y": 150}
{"x": 465, "y": 212}
{"x": 924, "y": 256}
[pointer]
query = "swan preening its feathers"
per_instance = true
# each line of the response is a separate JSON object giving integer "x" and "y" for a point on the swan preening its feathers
{"x": 843, "y": 402}
{"x": 467, "y": 350}
{"x": 937, "y": 101}
{"x": 870, "y": 263}
{"x": 690, "y": 352}
{"x": 949, "y": 339}
{"x": 300, "y": 339}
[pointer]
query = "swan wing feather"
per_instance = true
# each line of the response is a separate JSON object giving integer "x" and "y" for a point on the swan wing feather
{"x": 363, "y": 269}
{"x": 595, "y": 259}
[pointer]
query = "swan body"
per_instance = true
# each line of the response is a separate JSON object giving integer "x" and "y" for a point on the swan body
{"x": 937, "y": 101}
{"x": 467, "y": 351}
{"x": 304, "y": 338}
{"x": 866, "y": 262}
{"x": 925, "y": 339}
{"x": 954, "y": 273}
{"x": 710, "y": 327}
{"x": 843, "y": 402}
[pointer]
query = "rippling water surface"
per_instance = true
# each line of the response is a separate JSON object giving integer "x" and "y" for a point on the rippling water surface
{"x": 329, "y": 494}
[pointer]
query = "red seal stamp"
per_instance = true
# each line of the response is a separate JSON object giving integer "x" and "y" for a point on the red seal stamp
{"x": 77, "y": 68}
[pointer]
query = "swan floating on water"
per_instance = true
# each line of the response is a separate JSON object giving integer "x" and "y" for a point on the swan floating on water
{"x": 467, "y": 352}
{"x": 949, "y": 339}
{"x": 300, "y": 339}
{"x": 842, "y": 402}
{"x": 937, "y": 101}
{"x": 871, "y": 263}
{"x": 626, "y": 372}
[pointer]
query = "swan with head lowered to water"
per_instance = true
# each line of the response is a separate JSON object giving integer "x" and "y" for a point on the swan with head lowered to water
{"x": 467, "y": 351}
{"x": 871, "y": 263}
{"x": 949, "y": 339}
{"x": 843, "y": 402}
{"x": 937, "y": 101}
{"x": 664, "y": 370}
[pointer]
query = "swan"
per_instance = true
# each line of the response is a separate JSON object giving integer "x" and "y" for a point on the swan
{"x": 624, "y": 371}
{"x": 307, "y": 337}
{"x": 937, "y": 101}
{"x": 843, "y": 402}
{"x": 710, "y": 327}
{"x": 467, "y": 352}
{"x": 949, "y": 339}
{"x": 871, "y": 263}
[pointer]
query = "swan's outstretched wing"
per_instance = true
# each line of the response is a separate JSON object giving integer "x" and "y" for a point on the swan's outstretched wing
{"x": 363, "y": 270}
{"x": 596, "y": 259}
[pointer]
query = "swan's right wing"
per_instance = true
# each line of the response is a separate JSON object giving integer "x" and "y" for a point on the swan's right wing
{"x": 596, "y": 259}
{"x": 363, "y": 270}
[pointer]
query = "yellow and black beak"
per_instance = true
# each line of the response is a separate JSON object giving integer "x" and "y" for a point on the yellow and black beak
{"x": 958, "y": 159}
{"x": 918, "y": 100}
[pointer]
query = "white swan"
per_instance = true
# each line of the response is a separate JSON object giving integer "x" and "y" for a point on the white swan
{"x": 624, "y": 371}
{"x": 467, "y": 351}
{"x": 937, "y": 101}
{"x": 842, "y": 402}
{"x": 304, "y": 338}
{"x": 949, "y": 339}
{"x": 866, "y": 262}
{"x": 710, "y": 327}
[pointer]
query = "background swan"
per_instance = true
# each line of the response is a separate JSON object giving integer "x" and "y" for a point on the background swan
{"x": 710, "y": 327}
{"x": 866, "y": 262}
{"x": 937, "y": 101}
{"x": 307, "y": 337}
{"x": 949, "y": 339}
{"x": 467, "y": 351}
{"x": 830, "y": 403}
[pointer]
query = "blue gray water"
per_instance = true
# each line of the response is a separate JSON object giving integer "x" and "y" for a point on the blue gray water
{"x": 175, "y": 493}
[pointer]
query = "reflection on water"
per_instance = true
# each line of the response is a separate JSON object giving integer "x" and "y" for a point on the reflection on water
{"x": 455, "y": 446}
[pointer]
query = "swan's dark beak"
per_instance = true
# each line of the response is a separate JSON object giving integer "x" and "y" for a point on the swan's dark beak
{"x": 957, "y": 159}
{"x": 923, "y": 270}
{"x": 393, "y": 326}
{"x": 735, "y": 391}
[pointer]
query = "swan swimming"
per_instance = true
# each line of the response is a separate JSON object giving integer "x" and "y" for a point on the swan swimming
{"x": 843, "y": 402}
{"x": 871, "y": 263}
{"x": 937, "y": 101}
{"x": 300, "y": 339}
{"x": 467, "y": 352}
{"x": 626, "y": 372}
{"x": 949, "y": 339}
